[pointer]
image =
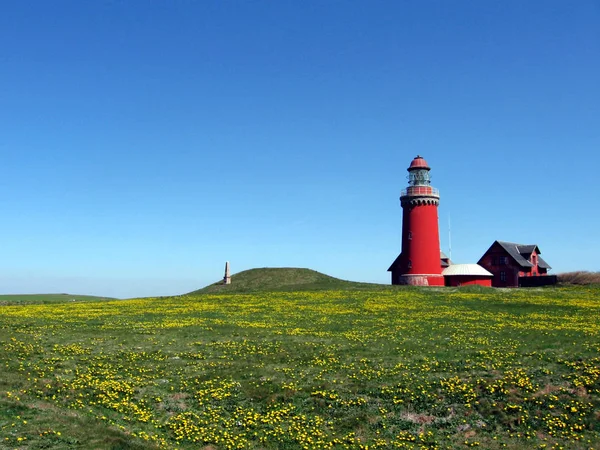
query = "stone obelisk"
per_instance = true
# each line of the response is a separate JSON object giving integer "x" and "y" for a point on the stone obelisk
{"x": 227, "y": 277}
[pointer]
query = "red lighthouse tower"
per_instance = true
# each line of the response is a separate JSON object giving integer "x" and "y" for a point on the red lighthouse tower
{"x": 419, "y": 263}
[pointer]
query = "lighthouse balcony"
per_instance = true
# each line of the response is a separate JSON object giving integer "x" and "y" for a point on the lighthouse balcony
{"x": 417, "y": 191}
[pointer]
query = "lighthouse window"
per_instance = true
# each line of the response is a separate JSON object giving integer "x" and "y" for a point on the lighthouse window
{"x": 409, "y": 264}
{"x": 409, "y": 235}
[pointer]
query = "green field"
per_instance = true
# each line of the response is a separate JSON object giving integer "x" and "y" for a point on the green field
{"x": 307, "y": 363}
{"x": 47, "y": 298}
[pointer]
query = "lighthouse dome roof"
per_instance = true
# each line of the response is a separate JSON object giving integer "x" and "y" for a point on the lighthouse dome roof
{"x": 419, "y": 163}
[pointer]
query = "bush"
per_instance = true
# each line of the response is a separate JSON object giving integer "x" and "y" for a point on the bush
{"x": 579, "y": 277}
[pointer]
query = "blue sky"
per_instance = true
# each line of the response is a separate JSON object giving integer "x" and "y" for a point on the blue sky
{"x": 143, "y": 144}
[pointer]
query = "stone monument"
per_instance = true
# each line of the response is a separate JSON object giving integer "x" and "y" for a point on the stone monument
{"x": 227, "y": 277}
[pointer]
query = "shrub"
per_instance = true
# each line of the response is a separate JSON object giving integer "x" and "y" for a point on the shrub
{"x": 579, "y": 277}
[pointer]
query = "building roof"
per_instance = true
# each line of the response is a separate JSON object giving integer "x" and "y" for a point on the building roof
{"x": 521, "y": 253}
{"x": 513, "y": 250}
{"x": 527, "y": 249}
{"x": 444, "y": 261}
{"x": 466, "y": 269}
{"x": 543, "y": 264}
{"x": 396, "y": 261}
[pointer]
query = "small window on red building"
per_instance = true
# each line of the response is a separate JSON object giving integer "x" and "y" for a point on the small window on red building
{"x": 503, "y": 260}
{"x": 409, "y": 264}
{"x": 409, "y": 235}
{"x": 503, "y": 276}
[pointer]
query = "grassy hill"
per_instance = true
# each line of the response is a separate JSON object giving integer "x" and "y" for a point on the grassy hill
{"x": 282, "y": 279}
{"x": 12, "y": 299}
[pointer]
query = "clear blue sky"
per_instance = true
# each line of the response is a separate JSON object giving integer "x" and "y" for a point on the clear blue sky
{"x": 144, "y": 143}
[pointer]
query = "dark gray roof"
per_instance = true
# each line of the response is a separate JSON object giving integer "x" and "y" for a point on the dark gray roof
{"x": 442, "y": 262}
{"x": 543, "y": 264}
{"x": 521, "y": 253}
{"x": 527, "y": 250}
{"x": 396, "y": 261}
{"x": 445, "y": 260}
{"x": 513, "y": 250}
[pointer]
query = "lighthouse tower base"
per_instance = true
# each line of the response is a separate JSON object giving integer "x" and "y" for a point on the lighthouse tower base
{"x": 421, "y": 280}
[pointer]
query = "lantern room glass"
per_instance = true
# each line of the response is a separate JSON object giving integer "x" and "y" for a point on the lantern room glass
{"x": 419, "y": 177}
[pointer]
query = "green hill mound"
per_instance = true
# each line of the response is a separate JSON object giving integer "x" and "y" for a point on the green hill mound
{"x": 281, "y": 279}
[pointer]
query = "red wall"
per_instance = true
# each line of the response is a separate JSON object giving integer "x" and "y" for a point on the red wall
{"x": 466, "y": 280}
{"x": 423, "y": 248}
{"x": 534, "y": 271}
{"x": 510, "y": 268}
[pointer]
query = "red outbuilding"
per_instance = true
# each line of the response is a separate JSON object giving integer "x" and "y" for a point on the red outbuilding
{"x": 467, "y": 274}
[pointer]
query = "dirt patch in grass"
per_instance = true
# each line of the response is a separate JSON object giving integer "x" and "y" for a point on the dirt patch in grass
{"x": 420, "y": 419}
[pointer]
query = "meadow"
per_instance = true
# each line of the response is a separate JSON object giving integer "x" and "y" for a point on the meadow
{"x": 361, "y": 368}
{"x": 48, "y": 298}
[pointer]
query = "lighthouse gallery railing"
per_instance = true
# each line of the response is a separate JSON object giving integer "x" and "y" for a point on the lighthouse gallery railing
{"x": 420, "y": 190}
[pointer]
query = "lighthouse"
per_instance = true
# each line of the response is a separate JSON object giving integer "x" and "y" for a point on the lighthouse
{"x": 419, "y": 263}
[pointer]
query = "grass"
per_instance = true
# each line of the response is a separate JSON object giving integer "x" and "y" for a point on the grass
{"x": 11, "y": 299}
{"x": 291, "y": 368}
